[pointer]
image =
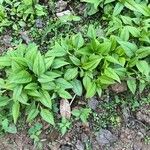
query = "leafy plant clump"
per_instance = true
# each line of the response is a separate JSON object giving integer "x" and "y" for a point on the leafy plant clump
{"x": 74, "y": 65}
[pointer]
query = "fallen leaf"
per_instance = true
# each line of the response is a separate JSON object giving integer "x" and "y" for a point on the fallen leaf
{"x": 65, "y": 109}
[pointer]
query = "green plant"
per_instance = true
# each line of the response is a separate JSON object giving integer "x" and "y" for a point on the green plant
{"x": 133, "y": 5}
{"x": 8, "y": 128}
{"x": 34, "y": 133}
{"x": 73, "y": 64}
{"x": 82, "y": 114}
{"x": 64, "y": 125}
{"x": 25, "y": 72}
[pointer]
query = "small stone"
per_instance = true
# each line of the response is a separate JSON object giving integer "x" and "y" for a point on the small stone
{"x": 61, "y": 5}
{"x": 39, "y": 23}
{"x": 79, "y": 145}
{"x": 84, "y": 137}
{"x": 93, "y": 103}
{"x": 105, "y": 137}
{"x": 63, "y": 13}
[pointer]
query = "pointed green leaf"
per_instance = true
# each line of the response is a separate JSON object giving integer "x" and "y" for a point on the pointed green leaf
{"x": 64, "y": 94}
{"x": 17, "y": 92}
{"x": 21, "y": 77}
{"x": 109, "y": 72}
{"x": 47, "y": 116}
{"x": 15, "y": 111}
{"x": 32, "y": 114}
{"x": 77, "y": 87}
{"x": 132, "y": 85}
{"x": 45, "y": 99}
{"x": 71, "y": 73}
{"x": 39, "y": 64}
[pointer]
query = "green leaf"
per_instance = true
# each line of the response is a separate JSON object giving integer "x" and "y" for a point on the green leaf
{"x": 91, "y": 32}
{"x": 64, "y": 94}
{"x": 47, "y": 116}
{"x": 48, "y": 62}
{"x": 4, "y": 101}
{"x": 39, "y": 65}
{"x": 23, "y": 98}
{"x": 75, "y": 60}
{"x": 77, "y": 87}
{"x": 135, "y": 32}
{"x": 124, "y": 35}
{"x": 31, "y": 86}
{"x": 142, "y": 86}
{"x": 112, "y": 59}
{"x": 45, "y": 99}
{"x": 48, "y": 86}
{"x": 60, "y": 82}
{"x": 132, "y": 5}
{"x": 17, "y": 92}
{"x": 57, "y": 51}
{"x": 21, "y": 77}
{"x": 34, "y": 93}
{"x": 143, "y": 52}
{"x": 117, "y": 9}
{"x": 5, "y": 61}
{"x": 48, "y": 77}
{"x": 104, "y": 48}
{"x": 132, "y": 85}
{"x": 92, "y": 62}
{"x": 76, "y": 113}
{"x": 60, "y": 62}
{"x": 129, "y": 48}
{"x": 45, "y": 78}
{"x": 15, "y": 111}
{"x": 109, "y": 72}
{"x": 86, "y": 81}
{"x": 91, "y": 90}
{"x": 143, "y": 67}
{"x": 31, "y": 54}
{"x": 94, "y": 2}
{"x": 32, "y": 114}
{"x": 20, "y": 61}
{"x": 71, "y": 73}
{"x": 77, "y": 40}
{"x": 106, "y": 80}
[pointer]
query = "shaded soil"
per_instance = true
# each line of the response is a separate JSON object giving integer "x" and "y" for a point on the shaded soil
{"x": 130, "y": 135}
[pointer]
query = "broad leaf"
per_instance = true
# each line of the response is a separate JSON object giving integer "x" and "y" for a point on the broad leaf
{"x": 132, "y": 85}
{"x": 47, "y": 116}
{"x": 57, "y": 51}
{"x": 32, "y": 114}
{"x": 77, "y": 87}
{"x": 39, "y": 65}
{"x": 71, "y": 73}
{"x": 92, "y": 62}
{"x": 109, "y": 72}
{"x": 21, "y": 77}
{"x": 17, "y": 92}
{"x": 64, "y": 94}
{"x": 63, "y": 83}
{"x": 4, "y": 101}
{"x": 57, "y": 63}
{"x": 45, "y": 99}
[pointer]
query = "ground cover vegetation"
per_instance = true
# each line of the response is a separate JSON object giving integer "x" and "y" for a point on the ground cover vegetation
{"x": 54, "y": 58}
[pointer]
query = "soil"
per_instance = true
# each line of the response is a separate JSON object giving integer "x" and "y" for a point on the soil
{"x": 129, "y": 135}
